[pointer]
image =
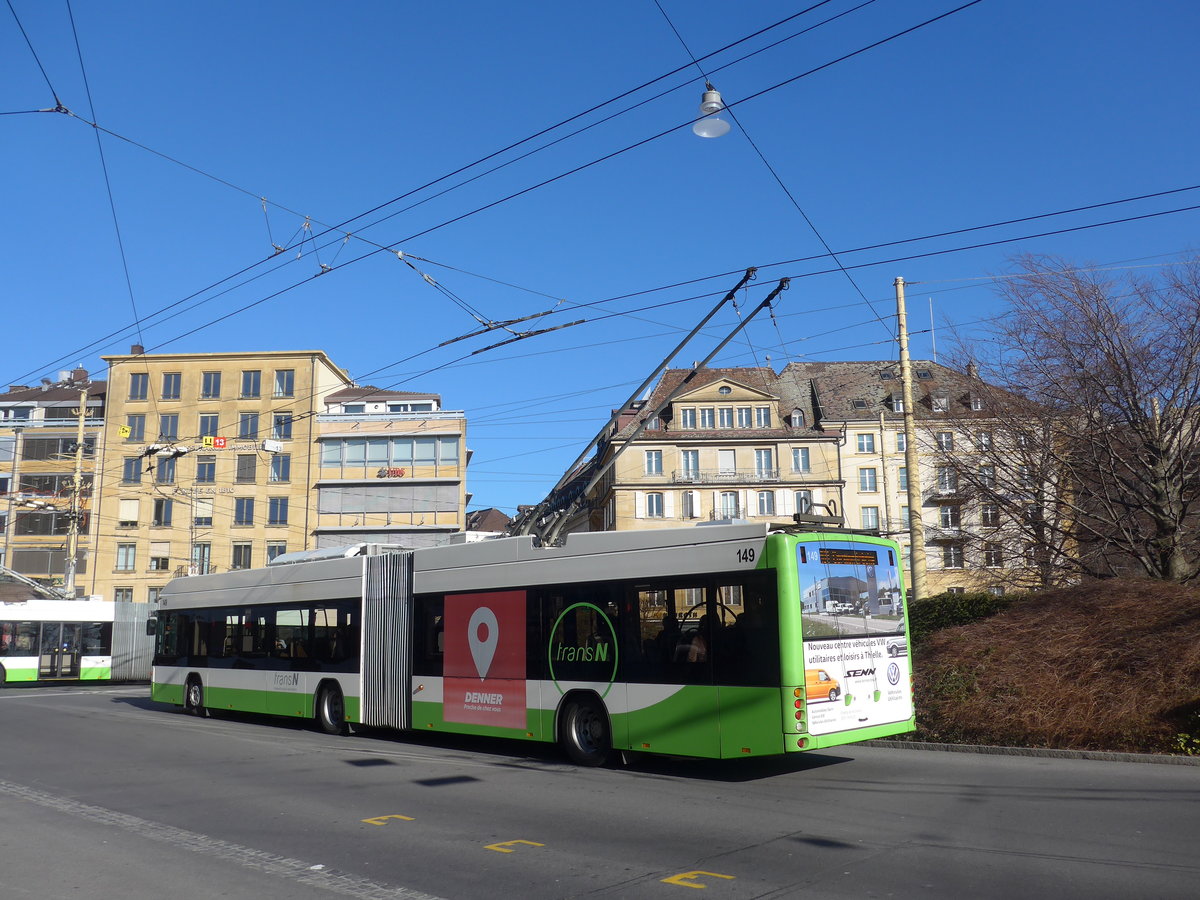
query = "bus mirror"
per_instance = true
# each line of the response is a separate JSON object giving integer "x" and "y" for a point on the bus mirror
{"x": 151, "y": 626}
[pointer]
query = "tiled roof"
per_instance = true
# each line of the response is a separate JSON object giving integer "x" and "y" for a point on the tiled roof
{"x": 369, "y": 392}
{"x": 50, "y": 394}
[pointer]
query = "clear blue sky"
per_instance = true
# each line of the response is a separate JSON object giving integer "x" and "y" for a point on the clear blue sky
{"x": 1007, "y": 109}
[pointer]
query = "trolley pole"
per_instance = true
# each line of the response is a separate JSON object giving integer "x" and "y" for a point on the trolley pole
{"x": 916, "y": 530}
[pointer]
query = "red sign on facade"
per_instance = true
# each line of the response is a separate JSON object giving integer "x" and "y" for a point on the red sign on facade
{"x": 219, "y": 443}
{"x": 484, "y": 676}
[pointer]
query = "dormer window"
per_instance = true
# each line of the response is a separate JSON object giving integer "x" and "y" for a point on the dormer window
{"x": 886, "y": 375}
{"x": 940, "y": 401}
{"x": 924, "y": 374}
{"x": 976, "y": 402}
{"x": 858, "y": 403}
{"x": 897, "y": 403}
{"x": 797, "y": 418}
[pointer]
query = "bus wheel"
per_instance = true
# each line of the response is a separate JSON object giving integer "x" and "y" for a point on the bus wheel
{"x": 330, "y": 710}
{"x": 584, "y": 732}
{"x": 193, "y": 697}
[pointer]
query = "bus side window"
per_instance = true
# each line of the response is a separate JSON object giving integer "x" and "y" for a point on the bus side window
{"x": 429, "y": 635}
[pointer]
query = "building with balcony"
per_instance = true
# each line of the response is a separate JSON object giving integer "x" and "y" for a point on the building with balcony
{"x": 39, "y": 428}
{"x": 826, "y": 438}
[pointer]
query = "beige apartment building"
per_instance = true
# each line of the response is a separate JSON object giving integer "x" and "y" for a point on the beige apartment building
{"x": 220, "y": 461}
{"x": 39, "y": 429}
{"x": 825, "y": 438}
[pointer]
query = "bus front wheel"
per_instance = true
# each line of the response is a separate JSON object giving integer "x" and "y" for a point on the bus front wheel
{"x": 584, "y": 732}
{"x": 193, "y": 697}
{"x": 330, "y": 710}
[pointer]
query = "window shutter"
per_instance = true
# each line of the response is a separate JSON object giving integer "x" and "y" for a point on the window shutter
{"x": 668, "y": 504}
{"x": 129, "y": 511}
{"x": 639, "y": 504}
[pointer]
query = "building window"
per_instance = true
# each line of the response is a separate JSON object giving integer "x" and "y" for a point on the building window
{"x": 131, "y": 470}
{"x": 993, "y": 556}
{"x": 945, "y": 440}
{"x": 210, "y": 385}
{"x": 983, "y": 440}
{"x": 803, "y": 500}
{"x": 654, "y": 423}
{"x": 209, "y": 426}
{"x": 897, "y": 403}
{"x": 905, "y": 518}
{"x": 766, "y": 503}
{"x": 164, "y": 471}
{"x": 243, "y": 511}
{"x": 867, "y": 480}
{"x": 277, "y": 511}
{"x": 706, "y": 417}
{"x": 275, "y": 548}
{"x": 687, "y": 419}
{"x": 870, "y": 518}
{"x": 950, "y": 516}
{"x": 800, "y": 461}
{"x": 952, "y": 556}
{"x": 729, "y": 504}
{"x": 725, "y": 417}
{"x": 168, "y": 427}
{"x": 901, "y": 442}
{"x": 653, "y": 462}
{"x": 354, "y": 409}
{"x": 127, "y": 513}
{"x": 1033, "y": 513}
{"x": 170, "y": 385}
{"x": 976, "y": 402}
{"x": 996, "y": 590}
{"x": 989, "y": 515}
{"x": 126, "y": 557}
{"x": 940, "y": 402}
{"x": 137, "y": 428}
{"x": 123, "y": 594}
{"x": 251, "y": 385}
{"x": 139, "y": 385}
{"x": 153, "y": 594}
{"x": 764, "y": 464}
{"x": 745, "y": 417}
{"x": 247, "y": 471}
{"x": 201, "y": 558}
{"x": 206, "y": 469}
{"x": 163, "y": 509}
{"x": 654, "y": 505}
{"x": 689, "y": 462}
{"x": 241, "y": 555}
{"x": 762, "y": 417}
{"x": 1025, "y": 477}
{"x": 956, "y": 591}
{"x": 248, "y": 425}
{"x": 160, "y": 556}
{"x": 691, "y": 508}
{"x": 285, "y": 382}
{"x": 987, "y": 476}
{"x": 947, "y": 479}
{"x": 281, "y": 467}
{"x": 202, "y": 512}
{"x": 866, "y": 443}
{"x": 902, "y": 478}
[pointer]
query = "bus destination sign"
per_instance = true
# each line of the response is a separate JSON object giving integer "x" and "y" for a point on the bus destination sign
{"x": 839, "y": 556}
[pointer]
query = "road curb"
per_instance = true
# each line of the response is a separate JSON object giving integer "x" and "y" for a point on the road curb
{"x": 1161, "y": 759}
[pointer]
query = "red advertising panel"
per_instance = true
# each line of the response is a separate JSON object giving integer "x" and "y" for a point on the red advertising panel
{"x": 484, "y": 678}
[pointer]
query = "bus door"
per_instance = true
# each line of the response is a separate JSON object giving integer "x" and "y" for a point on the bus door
{"x": 59, "y": 657}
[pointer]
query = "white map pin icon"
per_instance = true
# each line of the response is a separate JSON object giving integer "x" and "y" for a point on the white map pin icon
{"x": 483, "y": 649}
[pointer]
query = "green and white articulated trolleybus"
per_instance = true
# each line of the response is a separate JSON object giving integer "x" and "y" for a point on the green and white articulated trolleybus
{"x": 719, "y": 641}
{"x": 74, "y": 640}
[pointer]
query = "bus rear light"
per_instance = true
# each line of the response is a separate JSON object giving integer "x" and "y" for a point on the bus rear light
{"x": 799, "y": 704}
{"x": 799, "y": 714}
{"x": 802, "y": 743}
{"x": 745, "y": 749}
{"x": 797, "y": 692}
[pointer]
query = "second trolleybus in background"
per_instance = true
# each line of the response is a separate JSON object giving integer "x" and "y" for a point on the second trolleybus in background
{"x": 717, "y": 641}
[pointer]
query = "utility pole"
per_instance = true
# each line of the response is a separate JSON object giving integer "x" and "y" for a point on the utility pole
{"x": 916, "y": 529}
{"x": 76, "y": 513}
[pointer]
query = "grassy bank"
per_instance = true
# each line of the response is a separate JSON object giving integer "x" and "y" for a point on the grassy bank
{"x": 1109, "y": 665}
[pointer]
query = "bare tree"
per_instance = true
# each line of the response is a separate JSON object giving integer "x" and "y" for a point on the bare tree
{"x": 1095, "y": 399}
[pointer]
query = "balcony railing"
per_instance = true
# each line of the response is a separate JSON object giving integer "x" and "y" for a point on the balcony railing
{"x": 724, "y": 476}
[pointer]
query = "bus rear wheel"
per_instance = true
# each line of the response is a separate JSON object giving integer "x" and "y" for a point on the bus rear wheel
{"x": 584, "y": 733}
{"x": 330, "y": 710}
{"x": 193, "y": 697}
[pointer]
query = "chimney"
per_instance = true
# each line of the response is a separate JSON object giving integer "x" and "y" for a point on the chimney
{"x": 137, "y": 349}
{"x": 79, "y": 376}
{"x": 972, "y": 370}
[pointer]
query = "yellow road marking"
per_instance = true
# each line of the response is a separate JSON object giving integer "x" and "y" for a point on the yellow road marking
{"x": 383, "y": 820}
{"x": 499, "y": 848}
{"x": 685, "y": 879}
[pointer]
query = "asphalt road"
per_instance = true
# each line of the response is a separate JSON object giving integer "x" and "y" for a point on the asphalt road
{"x": 106, "y": 794}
